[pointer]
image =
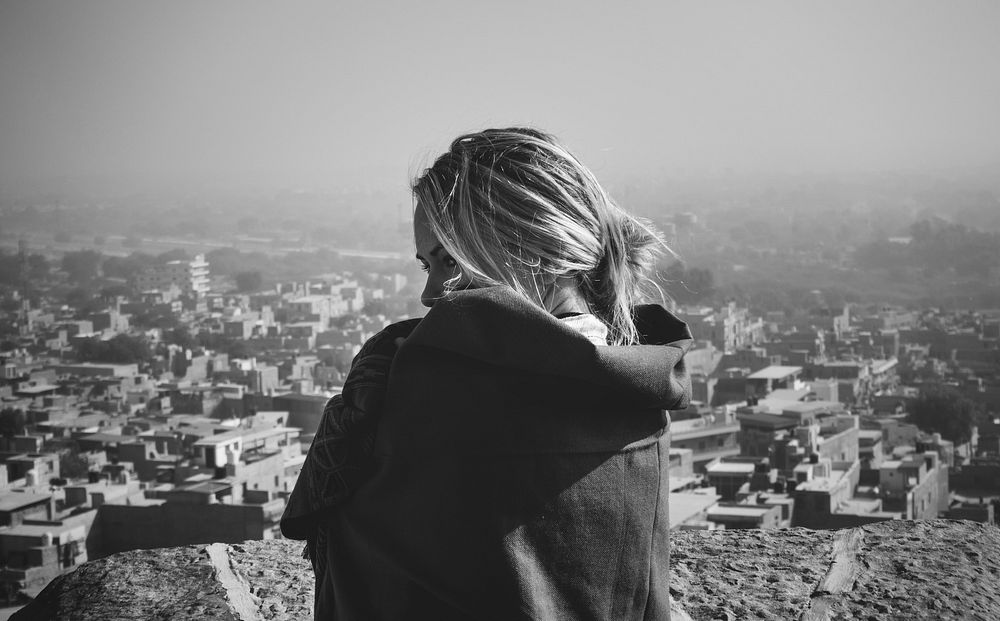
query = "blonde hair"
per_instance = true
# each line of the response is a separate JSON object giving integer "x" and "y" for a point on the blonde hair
{"x": 514, "y": 207}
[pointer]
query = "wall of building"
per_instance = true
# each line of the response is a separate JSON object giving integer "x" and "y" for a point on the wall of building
{"x": 304, "y": 411}
{"x": 840, "y": 447}
{"x": 125, "y": 527}
{"x": 980, "y": 477}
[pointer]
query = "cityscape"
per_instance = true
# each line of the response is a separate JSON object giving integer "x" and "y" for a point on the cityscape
{"x": 207, "y": 209}
{"x": 162, "y": 390}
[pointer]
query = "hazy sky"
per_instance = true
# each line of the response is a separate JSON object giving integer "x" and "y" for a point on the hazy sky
{"x": 335, "y": 93}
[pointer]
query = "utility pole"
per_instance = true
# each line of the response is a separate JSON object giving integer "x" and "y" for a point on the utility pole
{"x": 24, "y": 283}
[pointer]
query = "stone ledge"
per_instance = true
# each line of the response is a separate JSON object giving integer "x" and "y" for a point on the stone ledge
{"x": 938, "y": 569}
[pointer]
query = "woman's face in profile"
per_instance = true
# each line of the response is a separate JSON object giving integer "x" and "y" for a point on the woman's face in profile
{"x": 434, "y": 260}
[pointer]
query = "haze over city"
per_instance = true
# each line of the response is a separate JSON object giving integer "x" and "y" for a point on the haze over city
{"x": 210, "y": 257}
{"x": 112, "y": 96}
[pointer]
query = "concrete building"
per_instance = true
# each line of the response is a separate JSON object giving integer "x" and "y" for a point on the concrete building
{"x": 94, "y": 369}
{"x": 984, "y": 513}
{"x": 304, "y": 411}
{"x": 689, "y": 509}
{"x": 760, "y": 383}
{"x": 729, "y": 329}
{"x": 870, "y": 450}
{"x": 195, "y": 516}
{"x": 727, "y": 477}
{"x": 739, "y": 515}
{"x": 916, "y": 486}
{"x": 759, "y": 430}
{"x": 33, "y": 554}
{"x": 16, "y": 507}
{"x": 712, "y": 435}
{"x": 191, "y": 277}
{"x": 826, "y": 497}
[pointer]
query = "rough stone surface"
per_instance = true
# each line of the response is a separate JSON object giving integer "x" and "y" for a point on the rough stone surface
{"x": 278, "y": 576}
{"x": 893, "y": 570}
{"x": 925, "y": 570}
{"x": 748, "y": 574}
{"x": 170, "y": 583}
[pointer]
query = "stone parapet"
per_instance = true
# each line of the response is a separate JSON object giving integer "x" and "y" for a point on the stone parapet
{"x": 939, "y": 569}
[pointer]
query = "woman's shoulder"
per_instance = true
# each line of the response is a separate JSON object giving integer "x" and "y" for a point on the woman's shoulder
{"x": 385, "y": 339}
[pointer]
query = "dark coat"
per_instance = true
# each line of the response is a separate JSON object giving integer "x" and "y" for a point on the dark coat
{"x": 520, "y": 472}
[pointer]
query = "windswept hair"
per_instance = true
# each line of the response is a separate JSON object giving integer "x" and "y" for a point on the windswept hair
{"x": 514, "y": 207}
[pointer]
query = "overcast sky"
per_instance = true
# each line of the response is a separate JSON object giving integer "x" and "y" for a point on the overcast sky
{"x": 334, "y": 93}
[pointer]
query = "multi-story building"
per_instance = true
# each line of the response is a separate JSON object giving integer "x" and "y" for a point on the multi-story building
{"x": 916, "y": 487}
{"x": 729, "y": 329}
{"x": 825, "y": 496}
{"x": 711, "y": 435}
{"x": 771, "y": 378}
{"x": 191, "y": 277}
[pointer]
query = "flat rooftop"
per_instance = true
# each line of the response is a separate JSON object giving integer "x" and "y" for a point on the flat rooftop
{"x": 248, "y": 435}
{"x": 37, "y": 530}
{"x": 750, "y": 511}
{"x": 763, "y": 419}
{"x": 789, "y": 394}
{"x": 36, "y": 390}
{"x": 206, "y": 487}
{"x": 881, "y": 366}
{"x": 775, "y": 371}
{"x": 109, "y": 438}
{"x": 685, "y": 505}
{"x": 814, "y": 406}
{"x": 17, "y": 500}
{"x": 730, "y": 467}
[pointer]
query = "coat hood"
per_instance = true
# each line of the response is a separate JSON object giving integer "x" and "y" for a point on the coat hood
{"x": 495, "y": 325}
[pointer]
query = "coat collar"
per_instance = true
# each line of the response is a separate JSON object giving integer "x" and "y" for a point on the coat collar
{"x": 498, "y": 326}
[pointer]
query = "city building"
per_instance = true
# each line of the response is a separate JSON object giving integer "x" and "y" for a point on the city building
{"x": 190, "y": 277}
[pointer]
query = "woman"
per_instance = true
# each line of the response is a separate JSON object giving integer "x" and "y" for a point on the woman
{"x": 505, "y": 457}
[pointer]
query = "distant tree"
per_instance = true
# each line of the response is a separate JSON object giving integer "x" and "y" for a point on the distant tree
{"x": 82, "y": 266}
{"x": 62, "y": 237}
{"x": 12, "y": 422}
{"x": 177, "y": 254}
{"x": 179, "y": 364}
{"x": 112, "y": 291}
{"x": 249, "y": 281}
{"x": 882, "y": 254}
{"x": 212, "y": 340}
{"x": 688, "y": 285}
{"x": 127, "y": 267}
{"x": 945, "y": 410}
{"x": 72, "y": 465}
{"x": 82, "y": 299}
{"x": 121, "y": 349}
{"x": 38, "y": 266}
{"x": 226, "y": 261}
{"x": 941, "y": 244}
{"x": 238, "y": 348}
{"x": 10, "y": 272}
{"x": 181, "y": 337}
{"x": 132, "y": 241}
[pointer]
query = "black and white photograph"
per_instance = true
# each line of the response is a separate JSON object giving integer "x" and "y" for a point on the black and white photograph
{"x": 661, "y": 310}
